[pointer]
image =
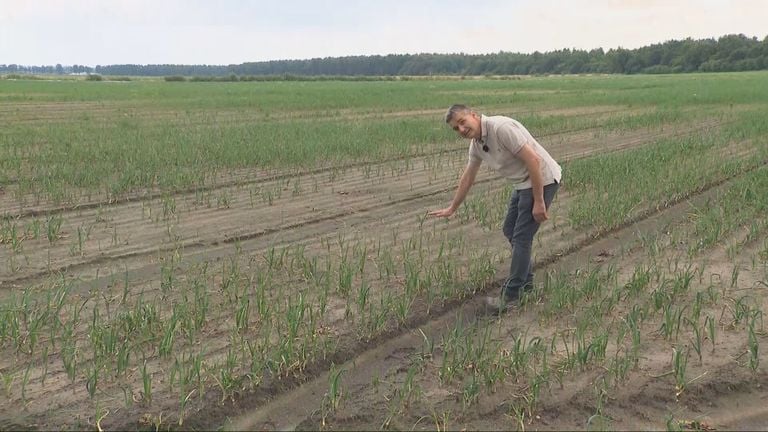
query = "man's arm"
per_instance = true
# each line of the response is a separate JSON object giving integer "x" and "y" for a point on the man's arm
{"x": 533, "y": 163}
{"x": 466, "y": 182}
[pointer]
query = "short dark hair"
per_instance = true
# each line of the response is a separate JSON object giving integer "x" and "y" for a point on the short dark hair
{"x": 456, "y": 109}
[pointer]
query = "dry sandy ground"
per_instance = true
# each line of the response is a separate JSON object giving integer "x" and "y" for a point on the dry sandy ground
{"x": 251, "y": 213}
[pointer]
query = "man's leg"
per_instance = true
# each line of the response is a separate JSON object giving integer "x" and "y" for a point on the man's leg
{"x": 508, "y": 227}
{"x": 525, "y": 228}
{"x": 509, "y": 222}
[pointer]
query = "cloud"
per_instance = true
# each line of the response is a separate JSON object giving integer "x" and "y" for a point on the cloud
{"x": 589, "y": 24}
{"x": 235, "y": 31}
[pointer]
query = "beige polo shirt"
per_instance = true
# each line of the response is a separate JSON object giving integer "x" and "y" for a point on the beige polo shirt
{"x": 503, "y": 138}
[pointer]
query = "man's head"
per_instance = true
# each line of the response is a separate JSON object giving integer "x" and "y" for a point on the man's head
{"x": 464, "y": 121}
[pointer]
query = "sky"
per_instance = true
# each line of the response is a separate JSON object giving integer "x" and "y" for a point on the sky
{"x": 221, "y": 32}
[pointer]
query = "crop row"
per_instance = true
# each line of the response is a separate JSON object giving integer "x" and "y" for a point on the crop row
{"x": 248, "y": 320}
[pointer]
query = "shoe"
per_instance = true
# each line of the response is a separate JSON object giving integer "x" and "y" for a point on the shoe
{"x": 497, "y": 305}
{"x": 518, "y": 294}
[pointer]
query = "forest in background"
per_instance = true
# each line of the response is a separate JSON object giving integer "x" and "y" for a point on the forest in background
{"x": 725, "y": 54}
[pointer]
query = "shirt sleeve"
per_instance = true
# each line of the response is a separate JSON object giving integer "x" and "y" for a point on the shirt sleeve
{"x": 510, "y": 138}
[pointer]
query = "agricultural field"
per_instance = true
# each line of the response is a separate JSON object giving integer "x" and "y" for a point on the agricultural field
{"x": 178, "y": 255}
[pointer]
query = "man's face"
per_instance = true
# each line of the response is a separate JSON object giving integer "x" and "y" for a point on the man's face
{"x": 467, "y": 125}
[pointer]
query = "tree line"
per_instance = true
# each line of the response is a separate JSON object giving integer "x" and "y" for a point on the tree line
{"x": 726, "y": 53}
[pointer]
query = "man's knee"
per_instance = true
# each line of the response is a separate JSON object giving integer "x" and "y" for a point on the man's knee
{"x": 524, "y": 233}
{"x": 521, "y": 241}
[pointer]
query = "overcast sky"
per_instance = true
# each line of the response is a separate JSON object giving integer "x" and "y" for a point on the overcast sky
{"x": 101, "y": 32}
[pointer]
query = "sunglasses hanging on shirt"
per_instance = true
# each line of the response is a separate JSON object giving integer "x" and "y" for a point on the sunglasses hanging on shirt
{"x": 485, "y": 148}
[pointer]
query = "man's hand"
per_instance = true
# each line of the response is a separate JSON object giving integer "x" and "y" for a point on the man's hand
{"x": 446, "y": 212}
{"x": 540, "y": 212}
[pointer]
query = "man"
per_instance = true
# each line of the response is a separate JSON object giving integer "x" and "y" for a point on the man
{"x": 510, "y": 149}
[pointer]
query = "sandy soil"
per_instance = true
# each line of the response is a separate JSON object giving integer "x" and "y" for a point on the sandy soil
{"x": 108, "y": 247}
